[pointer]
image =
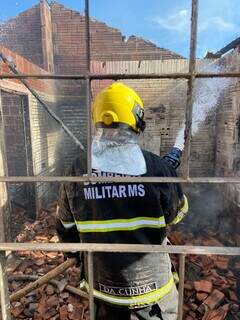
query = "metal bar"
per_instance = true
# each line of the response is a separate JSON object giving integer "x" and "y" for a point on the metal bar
{"x": 40, "y": 100}
{"x": 139, "y": 179}
{"x": 89, "y": 129}
{"x": 112, "y": 247}
{"x": 193, "y": 41}
{"x": 217, "y": 75}
{"x": 192, "y": 67}
{"x": 5, "y": 302}
{"x": 114, "y": 76}
{"x": 90, "y": 282}
{"x": 163, "y": 76}
{"x": 89, "y": 154}
{"x": 181, "y": 285}
{"x": 88, "y": 91}
{"x": 44, "y": 76}
{"x": 87, "y": 35}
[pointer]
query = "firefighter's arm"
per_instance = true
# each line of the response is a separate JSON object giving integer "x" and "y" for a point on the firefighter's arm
{"x": 174, "y": 202}
{"x": 65, "y": 224}
{"x": 181, "y": 211}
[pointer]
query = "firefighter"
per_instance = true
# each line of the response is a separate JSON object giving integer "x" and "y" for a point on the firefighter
{"x": 126, "y": 285}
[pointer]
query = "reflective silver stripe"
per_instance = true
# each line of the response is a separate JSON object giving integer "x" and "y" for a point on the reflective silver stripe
{"x": 68, "y": 225}
{"x": 120, "y": 224}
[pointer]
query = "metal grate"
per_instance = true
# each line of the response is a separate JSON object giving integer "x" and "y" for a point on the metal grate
{"x": 182, "y": 251}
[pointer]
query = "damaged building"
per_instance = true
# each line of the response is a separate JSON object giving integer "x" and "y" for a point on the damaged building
{"x": 35, "y": 143}
{"x": 50, "y": 38}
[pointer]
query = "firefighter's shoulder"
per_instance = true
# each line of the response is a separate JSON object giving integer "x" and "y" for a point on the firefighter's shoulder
{"x": 157, "y": 166}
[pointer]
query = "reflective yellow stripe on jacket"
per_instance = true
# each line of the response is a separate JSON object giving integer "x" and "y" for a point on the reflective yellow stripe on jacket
{"x": 134, "y": 300}
{"x": 182, "y": 211}
{"x": 120, "y": 224}
{"x": 126, "y": 224}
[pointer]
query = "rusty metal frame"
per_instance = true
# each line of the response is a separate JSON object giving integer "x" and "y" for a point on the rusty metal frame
{"x": 88, "y": 89}
{"x": 181, "y": 285}
{"x": 191, "y": 82}
{"x": 113, "y": 247}
{"x": 4, "y": 296}
{"x": 182, "y": 251}
{"x": 88, "y": 178}
{"x": 119, "y": 76}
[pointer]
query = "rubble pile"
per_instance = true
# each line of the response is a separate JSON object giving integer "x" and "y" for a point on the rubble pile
{"x": 211, "y": 292}
{"x": 49, "y": 301}
{"x": 18, "y": 219}
{"x": 212, "y": 283}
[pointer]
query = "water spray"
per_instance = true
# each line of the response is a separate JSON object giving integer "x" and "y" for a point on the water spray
{"x": 207, "y": 93}
{"x": 180, "y": 139}
{"x": 175, "y": 153}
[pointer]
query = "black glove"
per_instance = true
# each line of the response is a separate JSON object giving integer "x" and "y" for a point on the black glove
{"x": 174, "y": 157}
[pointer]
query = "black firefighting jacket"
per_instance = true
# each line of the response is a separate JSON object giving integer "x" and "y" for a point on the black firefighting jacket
{"x": 130, "y": 213}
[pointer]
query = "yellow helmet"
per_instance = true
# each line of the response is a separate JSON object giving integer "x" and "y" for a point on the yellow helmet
{"x": 118, "y": 106}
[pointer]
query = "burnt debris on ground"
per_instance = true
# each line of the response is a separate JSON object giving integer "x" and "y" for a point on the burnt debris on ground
{"x": 51, "y": 301}
{"x": 212, "y": 283}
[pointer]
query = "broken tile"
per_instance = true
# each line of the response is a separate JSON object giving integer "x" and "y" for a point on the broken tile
{"x": 201, "y": 296}
{"x": 218, "y": 314}
{"x": 214, "y": 299}
{"x": 17, "y": 309}
{"x": 203, "y": 286}
{"x": 63, "y": 312}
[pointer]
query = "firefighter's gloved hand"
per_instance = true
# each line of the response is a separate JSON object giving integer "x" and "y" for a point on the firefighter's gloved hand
{"x": 174, "y": 157}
